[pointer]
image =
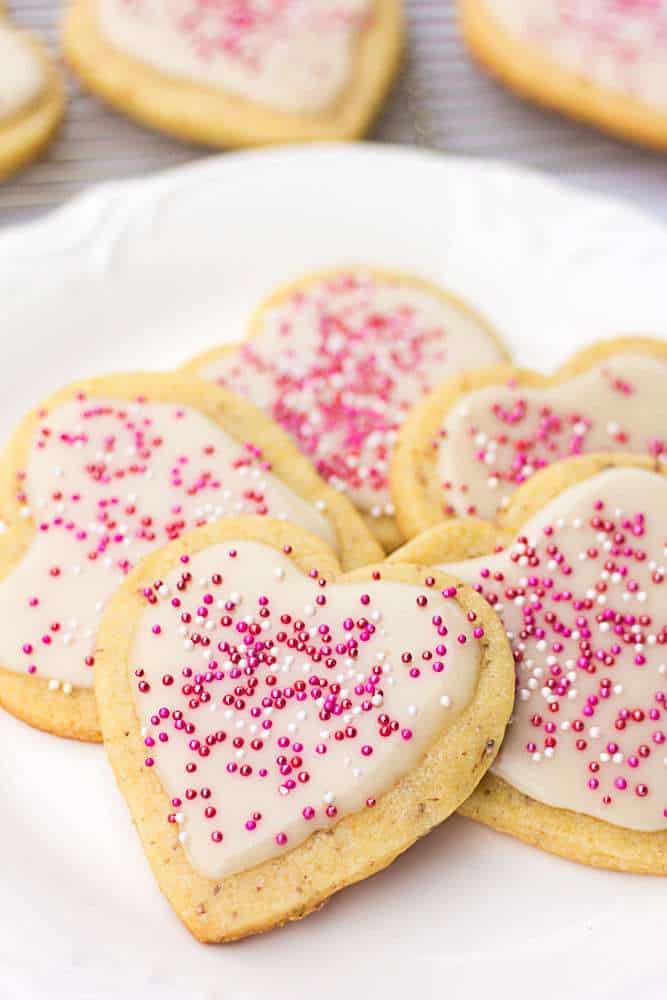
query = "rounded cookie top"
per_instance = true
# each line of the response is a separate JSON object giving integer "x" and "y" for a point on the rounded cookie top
{"x": 276, "y": 701}
{"x": 581, "y": 590}
{"x": 621, "y": 46}
{"x": 338, "y": 360}
{"x": 495, "y": 438}
{"x": 290, "y": 55}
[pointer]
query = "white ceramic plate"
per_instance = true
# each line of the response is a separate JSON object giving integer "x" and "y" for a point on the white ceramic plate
{"x": 145, "y": 273}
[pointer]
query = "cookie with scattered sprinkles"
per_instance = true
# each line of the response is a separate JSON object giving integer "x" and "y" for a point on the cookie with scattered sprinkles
{"x": 601, "y": 61}
{"x": 104, "y": 472}
{"x": 465, "y": 449}
{"x": 32, "y": 98}
{"x": 577, "y": 570}
{"x": 239, "y": 72}
{"x": 280, "y": 730}
{"x": 338, "y": 359}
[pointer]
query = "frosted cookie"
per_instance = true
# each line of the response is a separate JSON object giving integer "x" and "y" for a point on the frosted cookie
{"x": 101, "y": 474}
{"x": 601, "y": 61}
{"x": 31, "y": 98}
{"x": 339, "y": 358}
{"x": 466, "y": 448}
{"x": 239, "y": 72}
{"x": 577, "y": 572}
{"x": 281, "y": 731}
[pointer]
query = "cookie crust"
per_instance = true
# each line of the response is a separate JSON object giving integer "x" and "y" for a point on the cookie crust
{"x": 300, "y": 881}
{"x": 24, "y": 134}
{"x": 212, "y": 117}
{"x": 386, "y": 529}
{"x": 535, "y": 76}
{"x": 75, "y": 715}
{"x": 495, "y": 802}
{"x": 415, "y": 483}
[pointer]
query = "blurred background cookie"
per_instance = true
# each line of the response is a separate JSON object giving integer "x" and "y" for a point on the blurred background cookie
{"x": 239, "y": 74}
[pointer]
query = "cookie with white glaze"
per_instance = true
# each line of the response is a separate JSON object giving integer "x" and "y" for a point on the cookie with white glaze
{"x": 280, "y": 730}
{"x": 239, "y": 74}
{"x": 32, "y": 99}
{"x": 465, "y": 449}
{"x": 577, "y": 570}
{"x": 599, "y": 61}
{"x": 339, "y": 357}
{"x": 104, "y": 472}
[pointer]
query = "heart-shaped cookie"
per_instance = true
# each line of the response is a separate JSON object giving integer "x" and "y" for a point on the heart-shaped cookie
{"x": 602, "y": 61}
{"x": 578, "y": 572}
{"x": 239, "y": 72}
{"x": 339, "y": 358}
{"x": 32, "y": 98}
{"x": 467, "y": 447}
{"x": 102, "y": 473}
{"x": 281, "y": 731}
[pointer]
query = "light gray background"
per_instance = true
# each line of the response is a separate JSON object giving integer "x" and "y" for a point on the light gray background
{"x": 441, "y": 100}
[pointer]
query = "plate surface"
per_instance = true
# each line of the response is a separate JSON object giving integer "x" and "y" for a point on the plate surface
{"x": 144, "y": 273}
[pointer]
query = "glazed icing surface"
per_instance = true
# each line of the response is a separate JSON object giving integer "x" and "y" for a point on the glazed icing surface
{"x": 21, "y": 72}
{"x": 106, "y": 482}
{"x": 619, "y": 44}
{"x": 583, "y": 596}
{"x": 291, "y": 55}
{"x": 495, "y": 438}
{"x": 341, "y": 362}
{"x": 288, "y": 702}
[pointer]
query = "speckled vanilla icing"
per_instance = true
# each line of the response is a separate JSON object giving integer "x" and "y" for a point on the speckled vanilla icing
{"x": 275, "y": 703}
{"x": 291, "y": 55}
{"x": 583, "y": 596}
{"x": 106, "y": 482}
{"x": 21, "y": 72}
{"x": 495, "y": 438}
{"x": 618, "y": 44}
{"x": 341, "y": 362}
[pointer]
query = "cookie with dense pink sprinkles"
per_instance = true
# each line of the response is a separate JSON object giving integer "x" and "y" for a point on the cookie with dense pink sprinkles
{"x": 239, "y": 72}
{"x": 104, "y": 472}
{"x": 465, "y": 449}
{"x": 601, "y": 61}
{"x": 339, "y": 358}
{"x": 577, "y": 570}
{"x": 280, "y": 730}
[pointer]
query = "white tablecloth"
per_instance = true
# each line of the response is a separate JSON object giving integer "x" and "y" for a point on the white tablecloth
{"x": 442, "y": 100}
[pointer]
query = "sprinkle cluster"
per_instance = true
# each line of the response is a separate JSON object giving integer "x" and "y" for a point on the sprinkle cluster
{"x": 117, "y": 487}
{"x": 523, "y": 431}
{"x": 583, "y": 605}
{"x": 243, "y": 29}
{"x": 343, "y": 392}
{"x": 627, "y": 30}
{"x": 269, "y": 695}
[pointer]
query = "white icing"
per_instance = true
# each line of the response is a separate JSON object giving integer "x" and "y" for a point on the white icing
{"x": 619, "y": 44}
{"x": 342, "y": 777}
{"x": 101, "y": 443}
{"x": 339, "y": 365}
{"x": 618, "y": 405}
{"x": 560, "y": 775}
{"x": 291, "y": 55}
{"x": 21, "y": 72}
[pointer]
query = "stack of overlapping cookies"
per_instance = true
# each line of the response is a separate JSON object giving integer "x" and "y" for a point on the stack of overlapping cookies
{"x": 318, "y": 590}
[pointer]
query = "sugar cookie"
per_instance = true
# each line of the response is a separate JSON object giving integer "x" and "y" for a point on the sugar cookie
{"x": 601, "y": 61}
{"x": 102, "y": 473}
{"x": 338, "y": 358}
{"x": 464, "y": 449}
{"x": 577, "y": 571}
{"x": 280, "y": 731}
{"x": 239, "y": 72}
{"x": 32, "y": 98}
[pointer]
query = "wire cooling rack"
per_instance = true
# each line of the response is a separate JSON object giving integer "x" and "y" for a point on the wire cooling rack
{"x": 442, "y": 100}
